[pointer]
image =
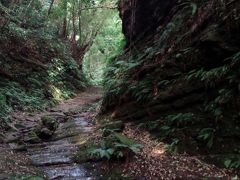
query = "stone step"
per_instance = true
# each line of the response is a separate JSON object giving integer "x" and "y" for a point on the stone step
{"x": 48, "y": 159}
{"x": 55, "y": 157}
{"x": 53, "y": 149}
{"x": 66, "y": 172}
{"x": 72, "y": 178}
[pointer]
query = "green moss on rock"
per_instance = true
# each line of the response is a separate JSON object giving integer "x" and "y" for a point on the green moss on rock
{"x": 50, "y": 123}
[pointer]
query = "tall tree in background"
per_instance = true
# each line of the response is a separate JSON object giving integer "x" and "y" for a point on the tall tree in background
{"x": 76, "y": 21}
{"x": 81, "y": 21}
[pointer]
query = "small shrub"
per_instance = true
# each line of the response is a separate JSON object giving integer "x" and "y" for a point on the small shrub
{"x": 115, "y": 145}
{"x": 230, "y": 163}
{"x": 172, "y": 148}
{"x": 207, "y": 134}
{"x": 180, "y": 119}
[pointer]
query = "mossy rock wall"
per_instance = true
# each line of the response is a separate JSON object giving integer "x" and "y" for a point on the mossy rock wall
{"x": 179, "y": 74}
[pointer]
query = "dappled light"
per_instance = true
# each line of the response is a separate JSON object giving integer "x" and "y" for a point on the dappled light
{"x": 158, "y": 152}
{"x": 107, "y": 44}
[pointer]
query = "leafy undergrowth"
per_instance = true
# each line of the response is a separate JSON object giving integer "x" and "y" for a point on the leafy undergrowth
{"x": 37, "y": 69}
{"x": 133, "y": 153}
{"x": 155, "y": 162}
{"x": 185, "y": 132}
{"x": 111, "y": 146}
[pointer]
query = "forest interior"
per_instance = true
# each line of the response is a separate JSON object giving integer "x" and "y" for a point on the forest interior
{"x": 119, "y": 89}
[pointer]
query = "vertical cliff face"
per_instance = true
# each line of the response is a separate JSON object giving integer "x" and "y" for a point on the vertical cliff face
{"x": 180, "y": 71}
{"x": 141, "y": 18}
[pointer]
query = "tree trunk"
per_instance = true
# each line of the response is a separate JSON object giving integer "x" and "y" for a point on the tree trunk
{"x": 80, "y": 22}
{"x": 73, "y": 23}
{"x": 65, "y": 21}
{"x": 65, "y": 33}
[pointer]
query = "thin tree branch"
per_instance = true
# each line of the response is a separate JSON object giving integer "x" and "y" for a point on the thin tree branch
{"x": 50, "y": 7}
{"x": 99, "y": 7}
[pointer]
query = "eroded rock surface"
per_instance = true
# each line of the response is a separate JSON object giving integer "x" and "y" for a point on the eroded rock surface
{"x": 56, "y": 157}
{"x": 29, "y": 155}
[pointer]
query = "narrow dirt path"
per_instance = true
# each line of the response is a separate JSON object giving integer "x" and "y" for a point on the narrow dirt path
{"x": 52, "y": 158}
{"x": 22, "y": 155}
